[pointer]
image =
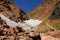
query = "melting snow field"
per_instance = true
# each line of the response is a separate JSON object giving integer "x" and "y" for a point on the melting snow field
{"x": 27, "y": 24}
{"x": 30, "y": 24}
{"x": 33, "y": 22}
{"x": 8, "y": 21}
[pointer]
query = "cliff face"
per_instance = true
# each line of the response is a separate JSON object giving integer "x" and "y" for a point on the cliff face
{"x": 43, "y": 11}
{"x": 10, "y": 10}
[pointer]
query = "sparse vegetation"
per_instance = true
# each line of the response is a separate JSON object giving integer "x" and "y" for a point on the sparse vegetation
{"x": 43, "y": 31}
{"x": 57, "y": 27}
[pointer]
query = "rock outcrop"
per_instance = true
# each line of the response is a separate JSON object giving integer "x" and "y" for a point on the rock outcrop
{"x": 17, "y": 33}
{"x": 10, "y": 10}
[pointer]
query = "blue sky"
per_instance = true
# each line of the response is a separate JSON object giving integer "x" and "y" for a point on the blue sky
{"x": 28, "y": 5}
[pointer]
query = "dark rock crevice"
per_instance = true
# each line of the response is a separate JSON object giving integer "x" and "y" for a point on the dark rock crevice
{"x": 56, "y": 12}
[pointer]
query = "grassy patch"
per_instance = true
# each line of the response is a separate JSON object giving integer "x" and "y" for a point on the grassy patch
{"x": 57, "y": 27}
{"x": 42, "y": 28}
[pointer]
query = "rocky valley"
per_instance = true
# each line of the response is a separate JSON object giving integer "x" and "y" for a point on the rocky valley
{"x": 43, "y": 23}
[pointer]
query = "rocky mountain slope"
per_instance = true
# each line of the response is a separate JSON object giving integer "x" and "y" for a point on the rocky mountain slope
{"x": 43, "y": 11}
{"x": 52, "y": 26}
{"x": 10, "y": 10}
{"x": 10, "y": 14}
{"x": 49, "y": 12}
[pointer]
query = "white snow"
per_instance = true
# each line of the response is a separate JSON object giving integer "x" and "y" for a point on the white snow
{"x": 30, "y": 24}
{"x": 8, "y": 21}
{"x": 26, "y": 25}
{"x": 33, "y": 22}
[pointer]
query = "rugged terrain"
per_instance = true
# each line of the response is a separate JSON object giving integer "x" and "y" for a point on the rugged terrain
{"x": 43, "y": 11}
{"x": 9, "y": 11}
{"x": 48, "y": 12}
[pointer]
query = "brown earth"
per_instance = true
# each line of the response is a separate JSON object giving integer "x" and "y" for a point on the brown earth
{"x": 55, "y": 34}
{"x": 48, "y": 37}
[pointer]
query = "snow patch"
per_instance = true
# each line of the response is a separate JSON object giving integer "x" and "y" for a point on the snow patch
{"x": 33, "y": 22}
{"x": 30, "y": 24}
{"x": 8, "y": 21}
{"x": 26, "y": 25}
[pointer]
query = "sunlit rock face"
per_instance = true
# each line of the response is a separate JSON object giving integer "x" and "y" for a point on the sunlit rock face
{"x": 10, "y": 10}
{"x": 48, "y": 37}
{"x": 43, "y": 11}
